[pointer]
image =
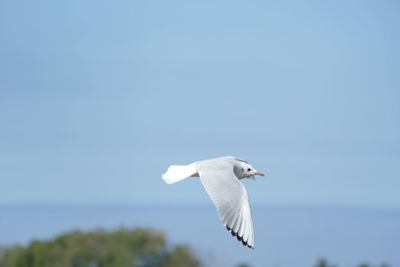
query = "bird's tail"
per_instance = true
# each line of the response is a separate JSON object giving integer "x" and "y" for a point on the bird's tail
{"x": 176, "y": 173}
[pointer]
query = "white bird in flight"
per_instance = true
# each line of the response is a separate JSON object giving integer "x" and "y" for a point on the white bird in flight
{"x": 220, "y": 177}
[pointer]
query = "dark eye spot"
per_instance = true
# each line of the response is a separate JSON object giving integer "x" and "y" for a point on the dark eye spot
{"x": 248, "y": 169}
{"x": 242, "y": 169}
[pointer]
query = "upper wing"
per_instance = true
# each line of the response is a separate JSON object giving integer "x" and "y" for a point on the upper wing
{"x": 230, "y": 197}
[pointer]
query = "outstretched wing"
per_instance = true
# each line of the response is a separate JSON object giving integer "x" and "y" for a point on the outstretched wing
{"x": 230, "y": 197}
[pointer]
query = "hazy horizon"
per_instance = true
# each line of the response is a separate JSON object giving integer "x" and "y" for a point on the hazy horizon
{"x": 341, "y": 234}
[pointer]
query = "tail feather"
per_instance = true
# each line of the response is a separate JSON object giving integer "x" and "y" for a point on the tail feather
{"x": 176, "y": 173}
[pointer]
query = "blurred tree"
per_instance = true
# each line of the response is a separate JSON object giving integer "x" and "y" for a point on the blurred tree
{"x": 120, "y": 248}
{"x": 323, "y": 263}
{"x": 99, "y": 248}
{"x": 181, "y": 256}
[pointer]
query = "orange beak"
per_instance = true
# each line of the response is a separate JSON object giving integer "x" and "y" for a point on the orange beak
{"x": 259, "y": 173}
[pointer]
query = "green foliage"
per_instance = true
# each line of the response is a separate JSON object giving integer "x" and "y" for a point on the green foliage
{"x": 323, "y": 263}
{"x": 180, "y": 257}
{"x": 367, "y": 265}
{"x": 120, "y": 248}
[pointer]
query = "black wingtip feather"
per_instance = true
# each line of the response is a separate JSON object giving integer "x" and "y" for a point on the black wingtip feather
{"x": 240, "y": 238}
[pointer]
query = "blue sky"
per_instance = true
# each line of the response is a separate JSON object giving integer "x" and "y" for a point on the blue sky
{"x": 98, "y": 98}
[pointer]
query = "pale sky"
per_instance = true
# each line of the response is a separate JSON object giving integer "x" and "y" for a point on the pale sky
{"x": 98, "y": 98}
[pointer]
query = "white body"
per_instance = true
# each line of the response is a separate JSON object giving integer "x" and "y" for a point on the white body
{"x": 220, "y": 177}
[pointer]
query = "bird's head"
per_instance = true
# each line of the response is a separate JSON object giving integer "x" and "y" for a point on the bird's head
{"x": 245, "y": 170}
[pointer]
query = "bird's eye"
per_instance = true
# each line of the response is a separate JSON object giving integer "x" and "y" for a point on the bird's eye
{"x": 248, "y": 169}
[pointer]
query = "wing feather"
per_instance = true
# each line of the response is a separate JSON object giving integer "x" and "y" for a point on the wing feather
{"x": 230, "y": 198}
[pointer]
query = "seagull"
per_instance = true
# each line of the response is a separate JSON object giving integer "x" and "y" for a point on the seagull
{"x": 221, "y": 179}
